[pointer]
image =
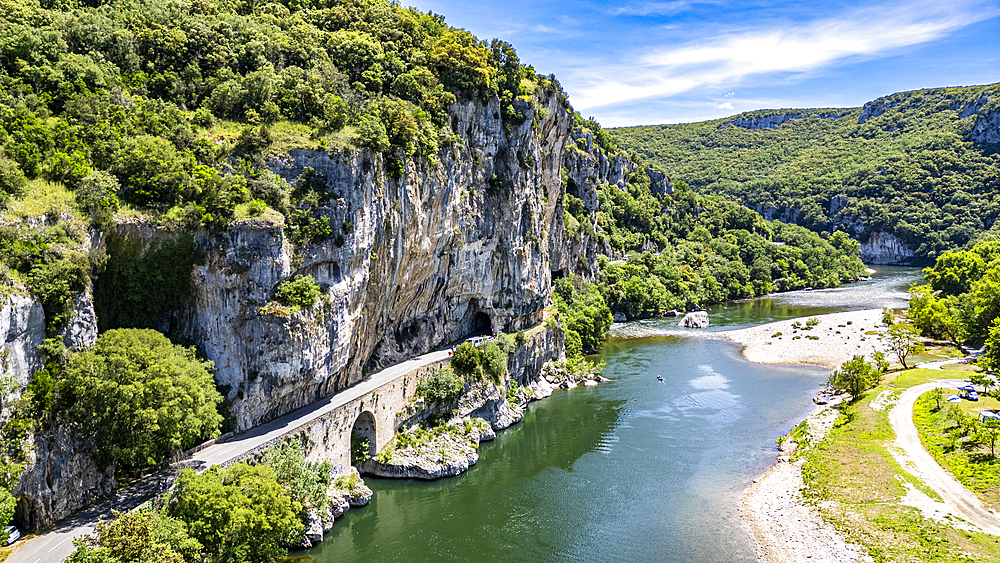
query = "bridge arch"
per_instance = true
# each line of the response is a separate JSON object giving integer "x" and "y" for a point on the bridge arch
{"x": 364, "y": 438}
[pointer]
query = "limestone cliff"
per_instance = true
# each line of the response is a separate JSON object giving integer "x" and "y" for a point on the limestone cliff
{"x": 449, "y": 248}
{"x": 22, "y": 330}
{"x": 884, "y": 248}
{"x": 59, "y": 479}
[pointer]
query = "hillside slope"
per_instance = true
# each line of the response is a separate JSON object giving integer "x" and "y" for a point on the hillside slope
{"x": 921, "y": 167}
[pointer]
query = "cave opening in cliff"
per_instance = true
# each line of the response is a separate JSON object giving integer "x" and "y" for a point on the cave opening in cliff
{"x": 481, "y": 322}
{"x": 363, "y": 435}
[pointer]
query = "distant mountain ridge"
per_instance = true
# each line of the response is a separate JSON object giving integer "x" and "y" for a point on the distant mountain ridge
{"x": 916, "y": 171}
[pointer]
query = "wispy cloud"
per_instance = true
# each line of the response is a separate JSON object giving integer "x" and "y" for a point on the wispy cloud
{"x": 802, "y": 48}
{"x": 542, "y": 28}
{"x": 726, "y": 105}
{"x": 654, "y": 8}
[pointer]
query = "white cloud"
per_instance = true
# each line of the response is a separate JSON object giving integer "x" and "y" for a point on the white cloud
{"x": 654, "y": 8}
{"x": 727, "y": 105}
{"x": 541, "y": 28}
{"x": 794, "y": 48}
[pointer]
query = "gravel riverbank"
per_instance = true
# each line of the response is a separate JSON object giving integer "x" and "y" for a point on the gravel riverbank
{"x": 784, "y": 528}
{"x": 834, "y": 340}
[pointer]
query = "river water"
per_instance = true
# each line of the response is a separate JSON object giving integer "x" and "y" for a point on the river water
{"x": 631, "y": 470}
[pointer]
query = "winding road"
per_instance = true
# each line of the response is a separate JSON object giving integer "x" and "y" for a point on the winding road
{"x": 57, "y": 544}
{"x": 958, "y": 499}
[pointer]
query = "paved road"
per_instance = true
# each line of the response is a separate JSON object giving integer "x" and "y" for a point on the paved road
{"x": 958, "y": 499}
{"x": 57, "y": 544}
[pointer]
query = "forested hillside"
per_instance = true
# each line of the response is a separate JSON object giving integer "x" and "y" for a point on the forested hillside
{"x": 923, "y": 166}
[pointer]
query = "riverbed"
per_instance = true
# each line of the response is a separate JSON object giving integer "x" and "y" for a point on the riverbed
{"x": 631, "y": 470}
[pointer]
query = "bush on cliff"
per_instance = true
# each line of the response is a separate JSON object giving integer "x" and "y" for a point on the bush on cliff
{"x": 443, "y": 386}
{"x": 298, "y": 293}
{"x": 140, "y": 396}
{"x": 585, "y": 315}
{"x": 476, "y": 362}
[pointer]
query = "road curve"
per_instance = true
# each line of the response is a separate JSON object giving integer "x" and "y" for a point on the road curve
{"x": 959, "y": 500}
{"x": 57, "y": 544}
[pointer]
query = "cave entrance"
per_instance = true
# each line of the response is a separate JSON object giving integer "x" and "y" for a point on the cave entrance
{"x": 363, "y": 446}
{"x": 481, "y": 322}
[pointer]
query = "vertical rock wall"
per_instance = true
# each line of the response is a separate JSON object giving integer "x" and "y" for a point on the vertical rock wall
{"x": 456, "y": 244}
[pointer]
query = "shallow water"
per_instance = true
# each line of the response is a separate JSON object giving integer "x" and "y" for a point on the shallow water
{"x": 631, "y": 470}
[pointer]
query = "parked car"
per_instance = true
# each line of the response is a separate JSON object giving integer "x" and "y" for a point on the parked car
{"x": 12, "y": 534}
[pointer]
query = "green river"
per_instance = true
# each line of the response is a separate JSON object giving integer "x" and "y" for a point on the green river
{"x": 631, "y": 470}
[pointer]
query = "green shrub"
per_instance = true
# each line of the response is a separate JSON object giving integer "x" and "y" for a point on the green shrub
{"x": 56, "y": 283}
{"x": 465, "y": 361}
{"x": 305, "y": 482}
{"x": 360, "y": 449}
{"x": 140, "y": 396}
{"x": 139, "y": 287}
{"x": 298, "y": 293}
{"x": 240, "y": 513}
{"x": 443, "y": 386}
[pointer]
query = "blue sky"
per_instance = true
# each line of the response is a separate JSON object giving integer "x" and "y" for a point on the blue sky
{"x": 635, "y": 62}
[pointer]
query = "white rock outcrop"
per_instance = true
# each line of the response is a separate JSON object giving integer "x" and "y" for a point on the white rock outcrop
{"x": 884, "y": 248}
{"x": 22, "y": 330}
{"x": 695, "y": 319}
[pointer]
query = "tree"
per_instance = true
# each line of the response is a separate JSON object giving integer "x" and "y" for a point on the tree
{"x": 8, "y": 504}
{"x": 443, "y": 386}
{"x": 937, "y": 394}
{"x": 888, "y": 319}
{"x": 141, "y": 397}
{"x": 903, "y": 339}
{"x": 239, "y": 514}
{"x": 854, "y": 376}
{"x": 987, "y": 432}
{"x": 139, "y": 536}
{"x": 304, "y": 482}
{"x": 990, "y": 360}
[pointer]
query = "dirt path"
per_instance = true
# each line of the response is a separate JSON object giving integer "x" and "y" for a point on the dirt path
{"x": 910, "y": 453}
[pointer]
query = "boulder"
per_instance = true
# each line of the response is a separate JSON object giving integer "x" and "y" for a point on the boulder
{"x": 695, "y": 319}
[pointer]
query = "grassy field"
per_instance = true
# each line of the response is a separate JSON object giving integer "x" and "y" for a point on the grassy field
{"x": 947, "y": 432}
{"x": 857, "y": 485}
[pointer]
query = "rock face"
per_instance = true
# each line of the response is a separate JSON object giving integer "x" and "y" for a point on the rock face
{"x": 59, "y": 479}
{"x": 987, "y": 128}
{"x": 22, "y": 330}
{"x": 764, "y": 122}
{"x": 81, "y": 330}
{"x": 695, "y": 319}
{"x": 876, "y": 108}
{"x": 884, "y": 248}
{"x": 772, "y": 121}
{"x": 422, "y": 260}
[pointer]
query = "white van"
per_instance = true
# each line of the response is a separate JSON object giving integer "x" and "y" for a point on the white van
{"x": 12, "y": 534}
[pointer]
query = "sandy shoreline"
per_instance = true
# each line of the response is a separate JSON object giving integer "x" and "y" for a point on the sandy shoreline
{"x": 784, "y": 528}
{"x": 833, "y": 341}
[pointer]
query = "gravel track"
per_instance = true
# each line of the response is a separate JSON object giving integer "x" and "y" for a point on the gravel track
{"x": 958, "y": 500}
